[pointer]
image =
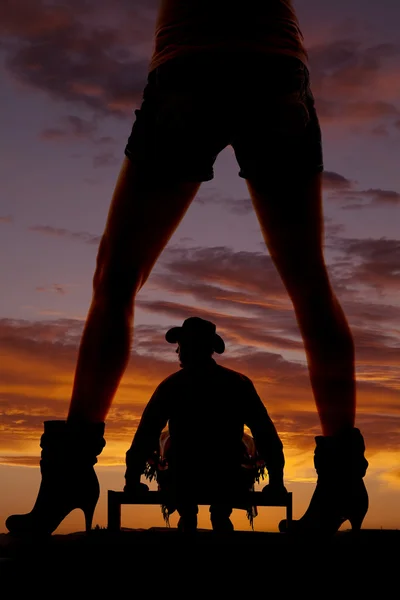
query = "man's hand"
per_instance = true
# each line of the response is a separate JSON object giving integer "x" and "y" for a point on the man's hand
{"x": 136, "y": 487}
{"x": 275, "y": 492}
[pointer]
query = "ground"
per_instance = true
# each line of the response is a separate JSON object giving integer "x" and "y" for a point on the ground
{"x": 163, "y": 561}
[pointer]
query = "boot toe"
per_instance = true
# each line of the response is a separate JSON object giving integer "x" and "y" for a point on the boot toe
{"x": 25, "y": 525}
{"x": 14, "y": 523}
{"x": 283, "y": 526}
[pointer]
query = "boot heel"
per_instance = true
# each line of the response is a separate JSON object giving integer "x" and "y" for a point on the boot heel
{"x": 358, "y": 512}
{"x": 356, "y": 522}
{"x": 89, "y": 512}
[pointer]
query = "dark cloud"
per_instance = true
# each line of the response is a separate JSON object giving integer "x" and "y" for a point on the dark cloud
{"x": 238, "y": 206}
{"x": 40, "y": 355}
{"x": 335, "y": 181}
{"x": 328, "y": 57}
{"x": 91, "y": 180}
{"x": 226, "y": 268}
{"x": 53, "y": 133}
{"x": 258, "y": 329}
{"x": 377, "y": 262}
{"x": 81, "y": 236}
{"x": 381, "y": 432}
{"x": 250, "y": 281}
{"x": 370, "y": 111}
{"x": 84, "y": 54}
{"x": 338, "y": 187}
{"x": 7, "y": 219}
{"x": 349, "y": 63}
{"x": 105, "y": 140}
{"x": 380, "y": 131}
{"x": 37, "y": 368}
{"x": 333, "y": 229}
{"x": 226, "y": 280}
{"x": 363, "y": 270}
{"x": 379, "y": 196}
{"x": 223, "y": 281}
{"x": 342, "y": 189}
{"x": 370, "y": 324}
{"x": 355, "y": 112}
{"x": 354, "y": 206}
{"x": 346, "y": 80}
{"x": 71, "y": 126}
{"x": 97, "y": 56}
{"x": 55, "y": 288}
{"x": 105, "y": 159}
{"x": 61, "y": 331}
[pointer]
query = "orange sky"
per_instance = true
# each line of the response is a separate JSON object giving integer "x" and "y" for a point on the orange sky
{"x": 39, "y": 379}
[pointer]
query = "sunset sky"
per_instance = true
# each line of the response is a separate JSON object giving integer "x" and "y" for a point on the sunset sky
{"x": 72, "y": 73}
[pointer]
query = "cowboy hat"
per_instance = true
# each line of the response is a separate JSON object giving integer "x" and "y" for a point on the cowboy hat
{"x": 199, "y": 330}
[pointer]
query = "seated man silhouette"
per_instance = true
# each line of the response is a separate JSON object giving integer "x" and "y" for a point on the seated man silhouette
{"x": 206, "y": 407}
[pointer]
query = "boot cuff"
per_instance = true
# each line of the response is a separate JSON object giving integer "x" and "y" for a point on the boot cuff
{"x": 342, "y": 454}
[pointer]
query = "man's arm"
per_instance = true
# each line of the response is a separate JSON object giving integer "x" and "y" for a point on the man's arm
{"x": 266, "y": 438}
{"x": 146, "y": 439}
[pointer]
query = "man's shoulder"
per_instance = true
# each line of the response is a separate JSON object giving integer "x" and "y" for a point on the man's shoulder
{"x": 232, "y": 375}
{"x": 171, "y": 380}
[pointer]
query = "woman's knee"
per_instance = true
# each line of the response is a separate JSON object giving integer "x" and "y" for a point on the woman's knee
{"x": 116, "y": 283}
{"x": 306, "y": 280}
{"x": 118, "y": 274}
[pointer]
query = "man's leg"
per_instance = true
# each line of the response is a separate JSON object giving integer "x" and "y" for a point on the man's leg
{"x": 143, "y": 215}
{"x": 187, "y": 517}
{"x": 219, "y": 516}
{"x": 290, "y": 214}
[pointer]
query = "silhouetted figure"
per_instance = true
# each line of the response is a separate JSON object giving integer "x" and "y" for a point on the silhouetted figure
{"x": 223, "y": 73}
{"x": 252, "y": 469}
{"x": 206, "y": 407}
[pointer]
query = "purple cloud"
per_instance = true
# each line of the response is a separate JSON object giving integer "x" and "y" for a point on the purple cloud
{"x": 71, "y": 126}
{"x": 81, "y": 236}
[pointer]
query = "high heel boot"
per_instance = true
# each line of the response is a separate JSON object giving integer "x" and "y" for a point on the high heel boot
{"x": 69, "y": 481}
{"x": 340, "y": 494}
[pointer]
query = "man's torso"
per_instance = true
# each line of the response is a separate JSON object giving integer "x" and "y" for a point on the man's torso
{"x": 206, "y": 416}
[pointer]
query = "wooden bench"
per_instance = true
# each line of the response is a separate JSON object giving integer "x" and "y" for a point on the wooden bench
{"x": 116, "y": 499}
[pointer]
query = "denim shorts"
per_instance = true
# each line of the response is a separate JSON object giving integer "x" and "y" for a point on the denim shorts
{"x": 194, "y": 107}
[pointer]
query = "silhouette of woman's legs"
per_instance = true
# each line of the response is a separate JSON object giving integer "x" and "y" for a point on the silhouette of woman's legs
{"x": 290, "y": 214}
{"x": 144, "y": 214}
{"x": 289, "y": 211}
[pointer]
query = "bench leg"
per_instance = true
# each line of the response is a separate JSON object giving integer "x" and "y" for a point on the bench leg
{"x": 113, "y": 514}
